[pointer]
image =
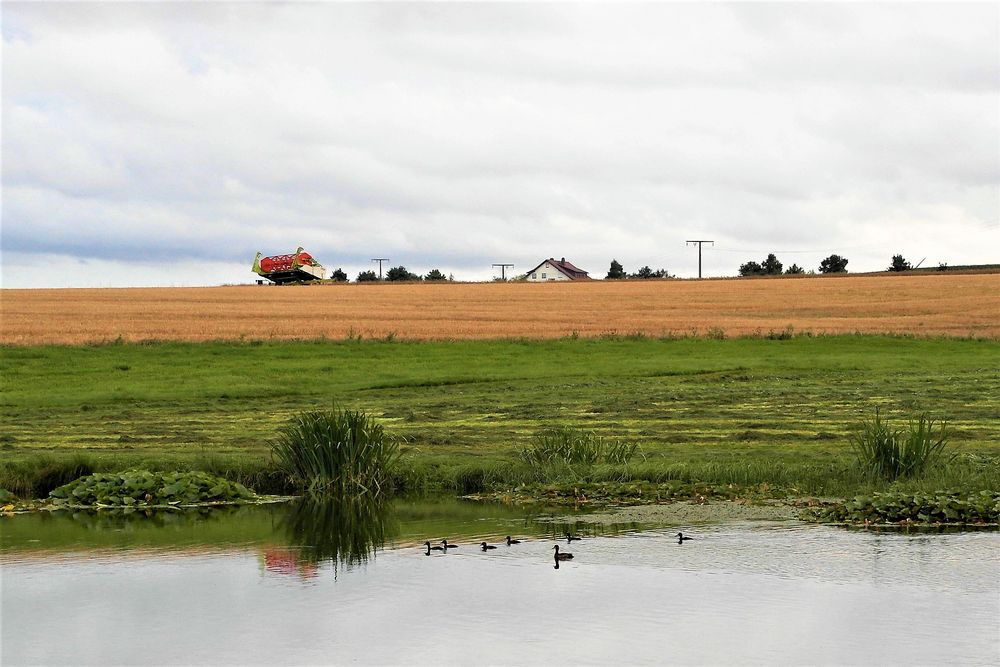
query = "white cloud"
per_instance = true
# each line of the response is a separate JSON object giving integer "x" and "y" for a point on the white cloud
{"x": 457, "y": 135}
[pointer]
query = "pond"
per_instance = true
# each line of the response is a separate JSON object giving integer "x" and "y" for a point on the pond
{"x": 316, "y": 583}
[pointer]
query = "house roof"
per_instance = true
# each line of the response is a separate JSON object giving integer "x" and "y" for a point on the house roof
{"x": 564, "y": 267}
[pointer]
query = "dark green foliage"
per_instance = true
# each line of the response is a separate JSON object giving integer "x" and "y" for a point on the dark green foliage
{"x": 399, "y": 273}
{"x": 794, "y": 270}
{"x": 367, "y": 277}
{"x": 569, "y": 446}
{"x": 771, "y": 265}
{"x": 616, "y": 272}
{"x": 57, "y": 473}
{"x": 899, "y": 264}
{"x": 339, "y": 276}
{"x": 435, "y": 274}
{"x": 340, "y": 451}
{"x": 833, "y": 264}
{"x": 6, "y": 496}
{"x": 889, "y": 453}
{"x": 646, "y": 273}
{"x": 902, "y": 507}
{"x": 142, "y": 488}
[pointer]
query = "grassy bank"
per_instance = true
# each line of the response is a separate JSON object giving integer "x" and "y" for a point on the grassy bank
{"x": 743, "y": 411}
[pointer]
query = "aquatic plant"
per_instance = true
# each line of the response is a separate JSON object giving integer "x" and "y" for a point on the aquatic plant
{"x": 901, "y": 507}
{"x": 142, "y": 488}
{"x": 341, "y": 451}
{"x": 890, "y": 453}
{"x": 6, "y": 496}
{"x": 569, "y": 446}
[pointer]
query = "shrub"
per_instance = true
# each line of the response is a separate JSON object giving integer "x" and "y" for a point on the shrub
{"x": 569, "y": 446}
{"x": 891, "y": 453}
{"x": 336, "y": 450}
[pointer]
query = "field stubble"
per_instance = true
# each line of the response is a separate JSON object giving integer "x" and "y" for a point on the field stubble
{"x": 925, "y": 305}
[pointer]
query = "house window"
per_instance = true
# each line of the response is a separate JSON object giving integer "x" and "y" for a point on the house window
{"x": 543, "y": 276}
{"x": 534, "y": 276}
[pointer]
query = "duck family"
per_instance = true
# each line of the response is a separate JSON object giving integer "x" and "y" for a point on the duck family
{"x": 559, "y": 555}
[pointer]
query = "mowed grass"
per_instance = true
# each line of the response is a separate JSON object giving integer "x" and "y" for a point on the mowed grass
{"x": 920, "y": 304}
{"x": 739, "y": 410}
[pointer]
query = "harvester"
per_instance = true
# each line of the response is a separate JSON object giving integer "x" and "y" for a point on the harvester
{"x": 297, "y": 267}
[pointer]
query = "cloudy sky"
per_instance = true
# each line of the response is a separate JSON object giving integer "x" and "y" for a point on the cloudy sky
{"x": 164, "y": 144}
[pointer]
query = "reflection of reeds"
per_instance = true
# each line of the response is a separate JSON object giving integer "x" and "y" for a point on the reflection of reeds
{"x": 341, "y": 451}
{"x": 344, "y": 530}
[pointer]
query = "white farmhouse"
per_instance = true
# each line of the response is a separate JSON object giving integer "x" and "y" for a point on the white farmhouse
{"x": 556, "y": 269}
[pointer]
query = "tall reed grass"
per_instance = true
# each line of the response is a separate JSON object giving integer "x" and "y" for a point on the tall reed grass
{"x": 892, "y": 453}
{"x": 565, "y": 445}
{"x": 339, "y": 451}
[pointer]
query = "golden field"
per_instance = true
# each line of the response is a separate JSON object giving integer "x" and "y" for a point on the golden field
{"x": 930, "y": 305}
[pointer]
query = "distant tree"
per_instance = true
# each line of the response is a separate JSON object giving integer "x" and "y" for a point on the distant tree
{"x": 833, "y": 264}
{"x": 399, "y": 273}
{"x": 339, "y": 276}
{"x": 794, "y": 270}
{"x": 645, "y": 273}
{"x": 771, "y": 265}
{"x": 660, "y": 273}
{"x": 434, "y": 274}
{"x": 367, "y": 277}
{"x": 899, "y": 264}
{"x": 751, "y": 269}
{"x": 942, "y": 266}
{"x": 616, "y": 272}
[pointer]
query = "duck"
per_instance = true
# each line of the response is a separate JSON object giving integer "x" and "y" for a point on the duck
{"x": 486, "y": 547}
{"x": 570, "y": 538}
{"x": 681, "y": 537}
{"x": 430, "y": 548}
{"x": 448, "y": 546}
{"x": 562, "y": 556}
{"x": 510, "y": 541}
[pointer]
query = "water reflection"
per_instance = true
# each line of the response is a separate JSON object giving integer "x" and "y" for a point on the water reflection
{"x": 344, "y": 531}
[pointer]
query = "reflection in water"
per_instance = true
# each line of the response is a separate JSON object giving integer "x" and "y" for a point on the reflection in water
{"x": 342, "y": 530}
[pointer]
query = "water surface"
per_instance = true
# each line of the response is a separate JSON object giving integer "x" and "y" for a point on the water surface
{"x": 320, "y": 585}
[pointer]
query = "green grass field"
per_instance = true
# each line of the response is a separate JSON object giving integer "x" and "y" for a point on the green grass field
{"x": 740, "y": 410}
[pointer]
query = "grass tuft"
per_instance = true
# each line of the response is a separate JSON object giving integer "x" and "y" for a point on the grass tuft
{"x": 891, "y": 453}
{"x": 341, "y": 451}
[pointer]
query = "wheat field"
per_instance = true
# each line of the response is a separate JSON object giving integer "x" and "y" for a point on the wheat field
{"x": 926, "y": 305}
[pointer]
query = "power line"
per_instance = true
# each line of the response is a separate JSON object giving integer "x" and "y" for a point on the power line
{"x": 699, "y": 252}
{"x": 380, "y": 260}
{"x": 503, "y": 270}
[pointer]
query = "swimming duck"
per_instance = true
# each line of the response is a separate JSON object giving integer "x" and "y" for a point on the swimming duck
{"x": 430, "y": 548}
{"x": 510, "y": 541}
{"x": 570, "y": 538}
{"x": 487, "y": 546}
{"x": 681, "y": 537}
{"x": 448, "y": 546}
{"x": 562, "y": 556}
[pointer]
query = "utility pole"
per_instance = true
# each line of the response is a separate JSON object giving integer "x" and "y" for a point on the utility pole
{"x": 380, "y": 260}
{"x": 503, "y": 270}
{"x": 699, "y": 252}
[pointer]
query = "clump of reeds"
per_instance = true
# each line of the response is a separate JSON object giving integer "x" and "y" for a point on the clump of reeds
{"x": 340, "y": 451}
{"x": 892, "y": 453}
{"x": 565, "y": 445}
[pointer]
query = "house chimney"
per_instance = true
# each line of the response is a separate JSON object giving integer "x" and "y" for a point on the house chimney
{"x": 562, "y": 261}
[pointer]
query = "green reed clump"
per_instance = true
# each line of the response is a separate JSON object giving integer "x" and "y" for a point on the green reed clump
{"x": 891, "y": 453}
{"x": 569, "y": 446}
{"x": 340, "y": 451}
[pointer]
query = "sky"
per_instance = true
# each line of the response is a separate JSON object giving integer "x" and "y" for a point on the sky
{"x": 148, "y": 144}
